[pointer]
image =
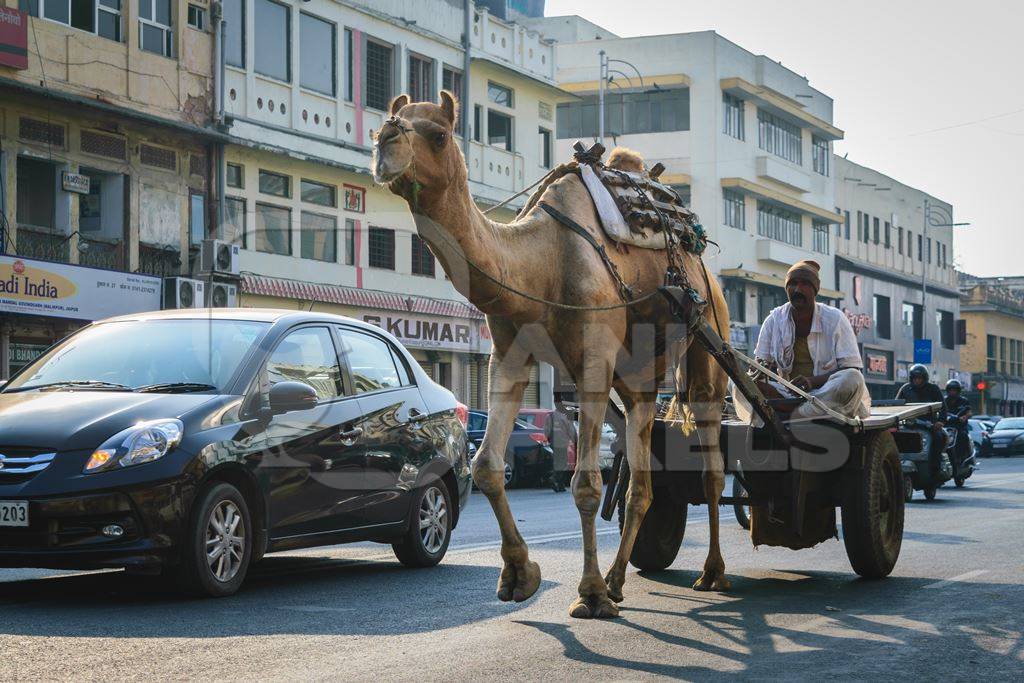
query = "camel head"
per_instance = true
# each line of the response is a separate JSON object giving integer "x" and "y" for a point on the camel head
{"x": 414, "y": 147}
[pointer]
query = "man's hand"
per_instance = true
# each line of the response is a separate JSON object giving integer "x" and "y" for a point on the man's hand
{"x": 802, "y": 382}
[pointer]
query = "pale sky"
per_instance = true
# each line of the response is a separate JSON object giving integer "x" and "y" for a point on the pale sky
{"x": 930, "y": 92}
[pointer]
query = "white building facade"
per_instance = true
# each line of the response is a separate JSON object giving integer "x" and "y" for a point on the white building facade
{"x": 306, "y": 84}
{"x": 745, "y": 140}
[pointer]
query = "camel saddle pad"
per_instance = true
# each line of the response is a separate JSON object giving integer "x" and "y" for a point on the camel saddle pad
{"x": 637, "y": 210}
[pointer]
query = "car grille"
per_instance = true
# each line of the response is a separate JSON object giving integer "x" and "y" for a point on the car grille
{"x": 19, "y": 464}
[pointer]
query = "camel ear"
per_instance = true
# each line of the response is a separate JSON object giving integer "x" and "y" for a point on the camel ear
{"x": 397, "y": 104}
{"x": 450, "y": 106}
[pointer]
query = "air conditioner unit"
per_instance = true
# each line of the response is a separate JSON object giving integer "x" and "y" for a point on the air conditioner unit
{"x": 184, "y": 292}
{"x": 222, "y": 295}
{"x": 218, "y": 256}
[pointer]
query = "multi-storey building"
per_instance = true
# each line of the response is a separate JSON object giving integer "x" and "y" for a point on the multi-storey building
{"x": 886, "y": 260}
{"x": 745, "y": 141}
{"x": 104, "y": 160}
{"x": 993, "y": 312}
{"x": 305, "y": 85}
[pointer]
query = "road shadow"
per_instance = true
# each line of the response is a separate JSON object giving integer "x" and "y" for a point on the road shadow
{"x": 809, "y": 624}
{"x": 937, "y": 539}
{"x": 293, "y": 595}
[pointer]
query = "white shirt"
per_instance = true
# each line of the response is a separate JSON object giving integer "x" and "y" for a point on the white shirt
{"x": 831, "y": 340}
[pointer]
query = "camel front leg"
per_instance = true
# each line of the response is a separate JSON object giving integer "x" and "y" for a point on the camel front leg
{"x": 520, "y": 577}
{"x": 593, "y": 600}
{"x": 707, "y": 385}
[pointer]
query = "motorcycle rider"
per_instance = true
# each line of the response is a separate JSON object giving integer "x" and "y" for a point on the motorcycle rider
{"x": 920, "y": 389}
{"x": 958, "y": 411}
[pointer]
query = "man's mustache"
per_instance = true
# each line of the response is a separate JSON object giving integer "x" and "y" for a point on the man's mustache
{"x": 797, "y": 298}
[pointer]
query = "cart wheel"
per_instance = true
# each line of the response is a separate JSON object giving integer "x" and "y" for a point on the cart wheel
{"x": 929, "y": 493}
{"x": 908, "y": 488}
{"x": 873, "y": 510}
{"x": 661, "y": 533}
{"x": 742, "y": 511}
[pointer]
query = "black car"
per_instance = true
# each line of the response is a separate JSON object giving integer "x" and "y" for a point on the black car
{"x": 528, "y": 455}
{"x": 1008, "y": 436}
{"x": 191, "y": 443}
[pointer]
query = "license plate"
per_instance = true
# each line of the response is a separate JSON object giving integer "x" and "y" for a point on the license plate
{"x": 13, "y": 513}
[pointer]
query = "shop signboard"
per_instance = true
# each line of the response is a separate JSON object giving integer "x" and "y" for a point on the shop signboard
{"x": 433, "y": 332}
{"x": 62, "y": 290}
{"x": 878, "y": 364}
{"x": 13, "y": 38}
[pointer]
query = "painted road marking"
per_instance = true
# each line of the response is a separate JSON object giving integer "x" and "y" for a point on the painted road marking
{"x": 967, "y": 576}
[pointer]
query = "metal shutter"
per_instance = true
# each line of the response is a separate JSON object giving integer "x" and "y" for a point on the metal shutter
{"x": 531, "y": 397}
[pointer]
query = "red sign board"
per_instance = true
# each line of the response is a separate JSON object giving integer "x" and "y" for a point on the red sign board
{"x": 13, "y": 38}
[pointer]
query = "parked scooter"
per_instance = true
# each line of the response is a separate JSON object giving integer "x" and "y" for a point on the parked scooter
{"x": 918, "y": 474}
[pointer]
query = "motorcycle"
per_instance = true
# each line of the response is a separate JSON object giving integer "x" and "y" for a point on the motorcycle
{"x": 963, "y": 467}
{"x": 918, "y": 473}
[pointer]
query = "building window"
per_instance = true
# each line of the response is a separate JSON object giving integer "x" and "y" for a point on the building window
{"x": 499, "y": 130}
{"x": 779, "y": 137}
{"x": 275, "y": 184}
{"x": 500, "y": 95}
{"x": 37, "y": 193}
{"x": 735, "y": 292}
{"x": 821, "y": 237}
{"x": 421, "y": 79}
{"x": 899, "y": 239}
{"x": 234, "y": 32}
{"x": 882, "y": 313}
{"x": 768, "y": 299}
{"x": 197, "y": 218}
{"x": 732, "y": 116}
{"x": 888, "y": 235}
{"x": 779, "y": 224}
{"x": 477, "y": 123}
{"x": 1002, "y": 355}
{"x": 273, "y": 229}
{"x": 944, "y": 322}
{"x": 867, "y": 229}
{"x": 920, "y": 248}
{"x": 273, "y": 38}
{"x": 235, "y": 176}
{"x": 350, "y": 242}
{"x": 860, "y": 226}
{"x": 910, "y": 244}
{"x": 876, "y": 231}
{"x": 929, "y": 250}
{"x": 422, "y": 259}
{"x": 734, "y": 210}
{"x": 381, "y": 248}
{"x": 318, "y": 54}
{"x": 102, "y": 17}
{"x": 233, "y": 229}
{"x": 378, "y": 75}
{"x": 912, "y": 317}
{"x": 318, "y": 193}
{"x": 846, "y": 224}
{"x": 626, "y": 114}
{"x": 348, "y": 51}
{"x": 197, "y": 17}
{"x": 319, "y": 235}
{"x": 451, "y": 80}
{"x": 156, "y": 27}
{"x": 545, "y": 147}
{"x": 820, "y": 155}
{"x": 991, "y": 353}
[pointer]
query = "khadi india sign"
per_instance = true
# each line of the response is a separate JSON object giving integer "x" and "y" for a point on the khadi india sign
{"x": 429, "y": 332}
{"x": 13, "y": 38}
{"x": 65, "y": 291}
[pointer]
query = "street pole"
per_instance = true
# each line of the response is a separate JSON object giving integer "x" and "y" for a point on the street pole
{"x": 601, "y": 78}
{"x": 924, "y": 272}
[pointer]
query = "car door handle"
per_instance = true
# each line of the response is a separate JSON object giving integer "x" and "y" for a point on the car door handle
{"x": 416, "y": 417}
{"x": 349, "y": 437}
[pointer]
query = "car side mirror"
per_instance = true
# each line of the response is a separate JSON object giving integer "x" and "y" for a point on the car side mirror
{"x": 288, "y": 396}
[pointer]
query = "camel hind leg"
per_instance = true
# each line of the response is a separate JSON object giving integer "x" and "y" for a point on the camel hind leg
{"x": 707, "y": 385}
{"x": 520, "y": 577}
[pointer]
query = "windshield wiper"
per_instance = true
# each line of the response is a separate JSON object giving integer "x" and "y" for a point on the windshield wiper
{"x": 73, "y": 384}
{"x": 174, "y": 387}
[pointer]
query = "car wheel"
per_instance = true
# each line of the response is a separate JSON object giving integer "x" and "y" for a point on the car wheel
{"x": 513, "y": 472}
{"x": 929, "y": 493}
{"x": 430, "y": 527}
{"x": 908, "y": 488}
{"x": 217, "y": 547}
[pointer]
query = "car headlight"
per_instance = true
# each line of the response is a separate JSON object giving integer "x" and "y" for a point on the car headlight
{"x": 141, "y": 443}
{"x": 1018, "y": 438}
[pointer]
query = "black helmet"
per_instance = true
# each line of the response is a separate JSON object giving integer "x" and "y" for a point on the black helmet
{"x": 954, "y": 384}
{"x": 920, "y": 371}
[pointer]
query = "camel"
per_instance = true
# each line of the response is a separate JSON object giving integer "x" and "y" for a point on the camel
{"x": 515, "y": 273}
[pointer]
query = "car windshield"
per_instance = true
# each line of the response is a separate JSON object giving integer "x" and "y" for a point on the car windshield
{"x": 1011, "y": 423}
{"x": 153, "y": 354}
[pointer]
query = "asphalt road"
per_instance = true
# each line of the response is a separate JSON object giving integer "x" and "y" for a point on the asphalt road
{"x": 953, "y": 609}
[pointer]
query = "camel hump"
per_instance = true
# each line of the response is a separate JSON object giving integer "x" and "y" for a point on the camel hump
{"x": 625, "y": 159}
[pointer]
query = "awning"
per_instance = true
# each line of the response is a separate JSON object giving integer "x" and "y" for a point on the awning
{"x": 773, "y": 281}
{"x": 777, "y": 102}
{"x": 353, "y": 296}
{"x": 752, "y": 188}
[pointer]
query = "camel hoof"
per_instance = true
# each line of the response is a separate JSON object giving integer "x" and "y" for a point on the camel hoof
{"x": 593, "y": 607}
{"x": 518, "y": 583}
{"x": 709, "y": 581}
{"x": 614, "y": 587}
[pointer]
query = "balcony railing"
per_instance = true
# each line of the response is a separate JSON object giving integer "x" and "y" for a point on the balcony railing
{"x": 160, "y": 261}
{"x": 42, "y": 244}
{"x": 101, "y": 253}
